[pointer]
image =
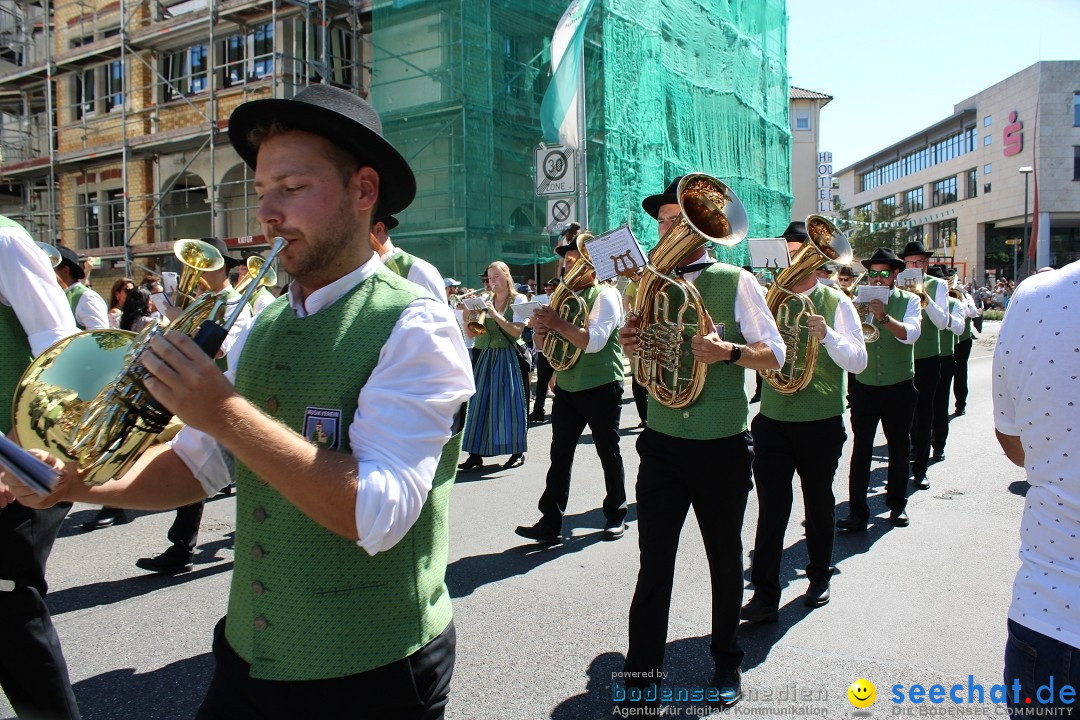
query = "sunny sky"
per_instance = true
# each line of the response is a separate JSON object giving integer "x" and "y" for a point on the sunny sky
{"x": 894, "y": 68}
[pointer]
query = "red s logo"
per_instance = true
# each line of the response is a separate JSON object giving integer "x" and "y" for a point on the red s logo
{"x": 1012, "y": 136}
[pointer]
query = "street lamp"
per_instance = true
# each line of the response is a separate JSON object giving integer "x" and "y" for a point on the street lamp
{"x": 1026, "y": 171}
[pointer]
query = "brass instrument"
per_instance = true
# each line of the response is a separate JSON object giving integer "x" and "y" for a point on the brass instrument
{"x": 560, "y": 353}
{"x": 54, "y": 255}
{"x": 916, "y": 287}
{"x": 197, "y": 257}
{"x": 825, "y": 244}
{"x": 954, "y": 288}
{"x": 254, "y": 264}
{"x": 870, "y": 331}
{"x": 852, "y": 290}
{"x": 84, "y": 399}
{"x": 671, "y": 310}
{"x": 474, "y": 319}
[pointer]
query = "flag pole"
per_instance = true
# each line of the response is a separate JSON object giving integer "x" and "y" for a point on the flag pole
{"x": 583, "y": 173}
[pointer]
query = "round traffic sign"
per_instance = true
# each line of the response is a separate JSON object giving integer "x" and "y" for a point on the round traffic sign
{"x": 555, "y": 165}
{"x": 560, "y": 210}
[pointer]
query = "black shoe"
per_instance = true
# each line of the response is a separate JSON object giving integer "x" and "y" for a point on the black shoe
{"x": 899, "y": 518}
{"x": 167, "y": 563}
{"x": 516, "y": 460}
{"x": 938, "y": 457}
{"x": 614, "y": 531}
{"x": 817, "y": 594}
{"x": 851, "y": 524}
{"x": 759, "y": 611}
{"x": 475, "y": 462}
{"x": 106, "y": 517}
{"x": 536, "y": 416}
{"x": 921, "y": 483}
{"x": 729, "y": 683}
{"x": 959, "y": 411}
{"x": 539, "y": 532}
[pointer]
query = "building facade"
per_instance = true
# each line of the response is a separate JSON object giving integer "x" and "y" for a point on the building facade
{"x": 967, "y": 186}
{"x": 811, "y": 169}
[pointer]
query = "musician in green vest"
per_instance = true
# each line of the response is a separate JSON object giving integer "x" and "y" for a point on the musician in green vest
{"x": 699, "y": 456}
{"x": 963, "y": 353}
{"x": 588, "y": 393}
{"x": 342, "y": 430}
{"x": 884, "y": 393}
{"x": 34, "y": 314}
{"x": 946, "y": 348}
{"x": 89, "y": 308}
{"x": 927, "y": 362}
{"x": 401, "y": 263}
{"x": 803, "y": 432}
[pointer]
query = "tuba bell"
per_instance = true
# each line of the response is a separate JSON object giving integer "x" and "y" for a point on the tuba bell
{"x": 254, "y": 264}
{"x": 84, "y": 399}
{"x": 671, "y": 310}
{"x": 825, "y": 244}
{"x": 197, "y": 257}
{"x": 560, "y": 353}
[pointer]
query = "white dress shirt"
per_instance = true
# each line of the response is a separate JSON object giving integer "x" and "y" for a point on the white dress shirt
{"x": 403, "y": 418}
{"x": 956, "y": 318}
{"x": 605, "y": 317}
{"x": 261, "y": 301}
{"x": 91, "y": 311}
{"x": 28, "y": 286}
{"x": 938, "y": 307}
{"x": 912, "y": 321}
{"x": 423, "y": 274}
{"x": 844, "y": 340}
{"x": 1036, "y": 393}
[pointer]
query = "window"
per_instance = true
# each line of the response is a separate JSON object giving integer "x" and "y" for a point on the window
{"x": 988, "y": 139}
{"x": 941, "y": 151}
{"x": 1076, "y": 162}
{"x": 944, "y": 191}
{"x": 262, "y": 51}
{"x": 248, "y": 57}
{"x": 986, "y": 121}
{"x": 887, "y": 206}
{"x": 915, "y": 234}
{"x": 944, "y": 234}
{"x": 185, "y": 71}
{"x": 802, "y": 118}
{"x": 986, "y": 188}
{"x": 85, "y": 95}
{"x": 1076, "y": 108}
{"x": 913, "y": 200}
{"x": 90, "y": 215}
{"x": 972, "y": 183}
{"x": 114, "y": 85}
{"x": 308, "y": 44}
{"x": 114, "y": 213}
{"x": 234, "y": 73}
{"x": 988, "y": 168}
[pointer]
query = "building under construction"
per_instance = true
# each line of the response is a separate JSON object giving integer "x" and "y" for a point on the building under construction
{"x": 113, "y": 114}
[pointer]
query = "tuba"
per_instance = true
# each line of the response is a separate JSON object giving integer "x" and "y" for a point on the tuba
{"x": 825, "y": 244}
{"x": 197, "y": 257}
{"x": 671, "y": 310}
{"x": 254, "y": 264}
{"x": 85, "y": 401}
{"x": 560, "y": 353}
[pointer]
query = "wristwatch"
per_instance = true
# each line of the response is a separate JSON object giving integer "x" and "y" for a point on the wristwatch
{"x": 736, "y": 353}
{"x": 886, "y": 320}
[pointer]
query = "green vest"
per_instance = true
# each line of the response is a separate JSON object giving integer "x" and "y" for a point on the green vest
{"x": 262, "y": 292}
{"x": 824, "y": 396}
{"x": 966, "y": 335}
{"x": 889, "y": 361}
{"x": 306, "y": 603}
{"x": 721, "y": 409}
{"x": 15, "y": 357}
{"x": 74, "y": 292}
{"x": 930, "y": 340}
{"x": 495, "y": 337}
{"x": 593, "y": 369}
{"x": 947, "y": 341}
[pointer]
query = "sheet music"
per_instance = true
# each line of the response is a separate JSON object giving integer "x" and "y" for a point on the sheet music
{"x": 873, "y": 292}
{"x": 911, "y": 274}
{"x": 768, "y": 253}
{"x": 524, "y": 311}
{"x": 615, "y": 253}
{"x": 474, "y": 303}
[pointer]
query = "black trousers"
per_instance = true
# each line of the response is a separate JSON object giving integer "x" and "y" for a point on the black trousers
{"x": 641, "y": 399}
{"x": 713, "y": 477}
{"x": 780, "y": 449}
{"x": 599, "y": 408}
{"x": 892, "y": 406}
{"x": 941, "y": 404}
{"x": 927, "y": 374}
{"x": 413, "y": 688}
{"x": 960, "y": 374}
{"x": 33, "y": 672}
{"x": 543, "y": 378}
{"x": 184, "y": 532}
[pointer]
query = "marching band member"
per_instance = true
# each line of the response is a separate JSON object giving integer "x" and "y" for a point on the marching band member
{"x": 803, "y": 432}
{"x": 946, "y": 348}
{"x": 401, "y": 263}
{"x": 89, "y": 308}
{"x": 588, "y": 393}
{"x": 963, "y": 353}
{"x": 884, "y": 392}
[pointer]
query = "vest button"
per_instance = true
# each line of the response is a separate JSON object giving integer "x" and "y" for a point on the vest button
{"x": 259, "y": 514}
{"x": 257, "y": 588}
{"x": 272, "y": 403}
{"x": 261, "y": 623}
{"x": 257, "y": 552}
{"x": 686, "y": 414}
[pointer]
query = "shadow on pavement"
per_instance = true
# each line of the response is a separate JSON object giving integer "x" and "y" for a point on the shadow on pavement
{"x": 115, "y": 591}
{"x": 174, "y": 691}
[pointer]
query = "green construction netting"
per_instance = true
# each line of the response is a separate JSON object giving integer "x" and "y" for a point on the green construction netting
{"x": 671, "y": 86}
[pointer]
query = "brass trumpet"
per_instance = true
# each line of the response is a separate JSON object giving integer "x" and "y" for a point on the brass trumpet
{"x": 474, "y": 319}
{"x": 197, "y": 257}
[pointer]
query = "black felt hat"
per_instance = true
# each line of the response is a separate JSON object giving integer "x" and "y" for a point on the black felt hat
{"x": 936, "y": 271}
{"x": 795, "y": 231}
{"x": 389, "y": 221}
{"x": 71, "y": 259}
{"x": 915, "y": 248}
{"x": 883, "y": 256}
{"x": 342, "y": 117}
{"x": 230, "y": 261}
{"x": 670, "y": 196}
{"x": 845, "y": 271}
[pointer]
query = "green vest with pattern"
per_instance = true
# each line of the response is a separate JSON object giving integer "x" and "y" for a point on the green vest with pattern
{"x": 966, "y": 335}
{"x": 947, "y": 341}
{"x": 400, "y": 262}
{"x": 824, "y": 396}
{"x": 305, "y": 603}
{"x": 889, "y": 361}
{"x": 930, "y": 340}
{"x": 721, "y": 409}
{"x": 74, "y": 292}
{"x": 15, "y": 357}
{"x": 598, "y": 368}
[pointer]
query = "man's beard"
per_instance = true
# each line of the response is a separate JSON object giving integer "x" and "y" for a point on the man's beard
{"x": 334, "y": 237}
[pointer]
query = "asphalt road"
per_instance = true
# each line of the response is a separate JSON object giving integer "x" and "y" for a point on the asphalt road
{"x": 542, "y": 630}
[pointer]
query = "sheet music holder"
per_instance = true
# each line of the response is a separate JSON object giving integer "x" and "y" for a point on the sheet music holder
{"x": 615, "y": 253}
{"x": 771, "y": 253}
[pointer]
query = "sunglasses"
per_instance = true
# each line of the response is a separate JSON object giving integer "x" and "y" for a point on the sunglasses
{"x": 879, "y": 273}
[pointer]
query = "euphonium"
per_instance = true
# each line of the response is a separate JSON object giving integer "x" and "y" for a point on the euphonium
{"x": 825, "y": 244}
{"x": 254, "y": 264}
{"x": 197, "y": 257}
{"x": 670, "y": 310}
{"x": 84, "y": 399}
{"x": 560, "y": 353}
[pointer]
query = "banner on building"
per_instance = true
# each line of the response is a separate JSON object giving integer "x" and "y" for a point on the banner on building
{"x": 559, "y": 109}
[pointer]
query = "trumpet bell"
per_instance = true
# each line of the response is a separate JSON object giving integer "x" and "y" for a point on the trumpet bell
{"x": 197, "y": 257}
{"x": 53, "y": 254}
{"x": 254, "y": 265}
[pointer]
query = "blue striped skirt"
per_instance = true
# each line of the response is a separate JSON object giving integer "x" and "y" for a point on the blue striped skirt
{"x": 496, "y": 423}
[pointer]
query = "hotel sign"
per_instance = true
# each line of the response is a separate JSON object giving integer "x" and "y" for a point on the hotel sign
{"x": 824, "y": 182}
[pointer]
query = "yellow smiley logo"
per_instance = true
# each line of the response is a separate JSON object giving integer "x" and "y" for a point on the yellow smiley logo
{"x": 862, "y": 693}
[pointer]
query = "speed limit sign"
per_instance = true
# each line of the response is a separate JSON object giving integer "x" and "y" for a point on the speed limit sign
{"x": 556, "y": 170}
